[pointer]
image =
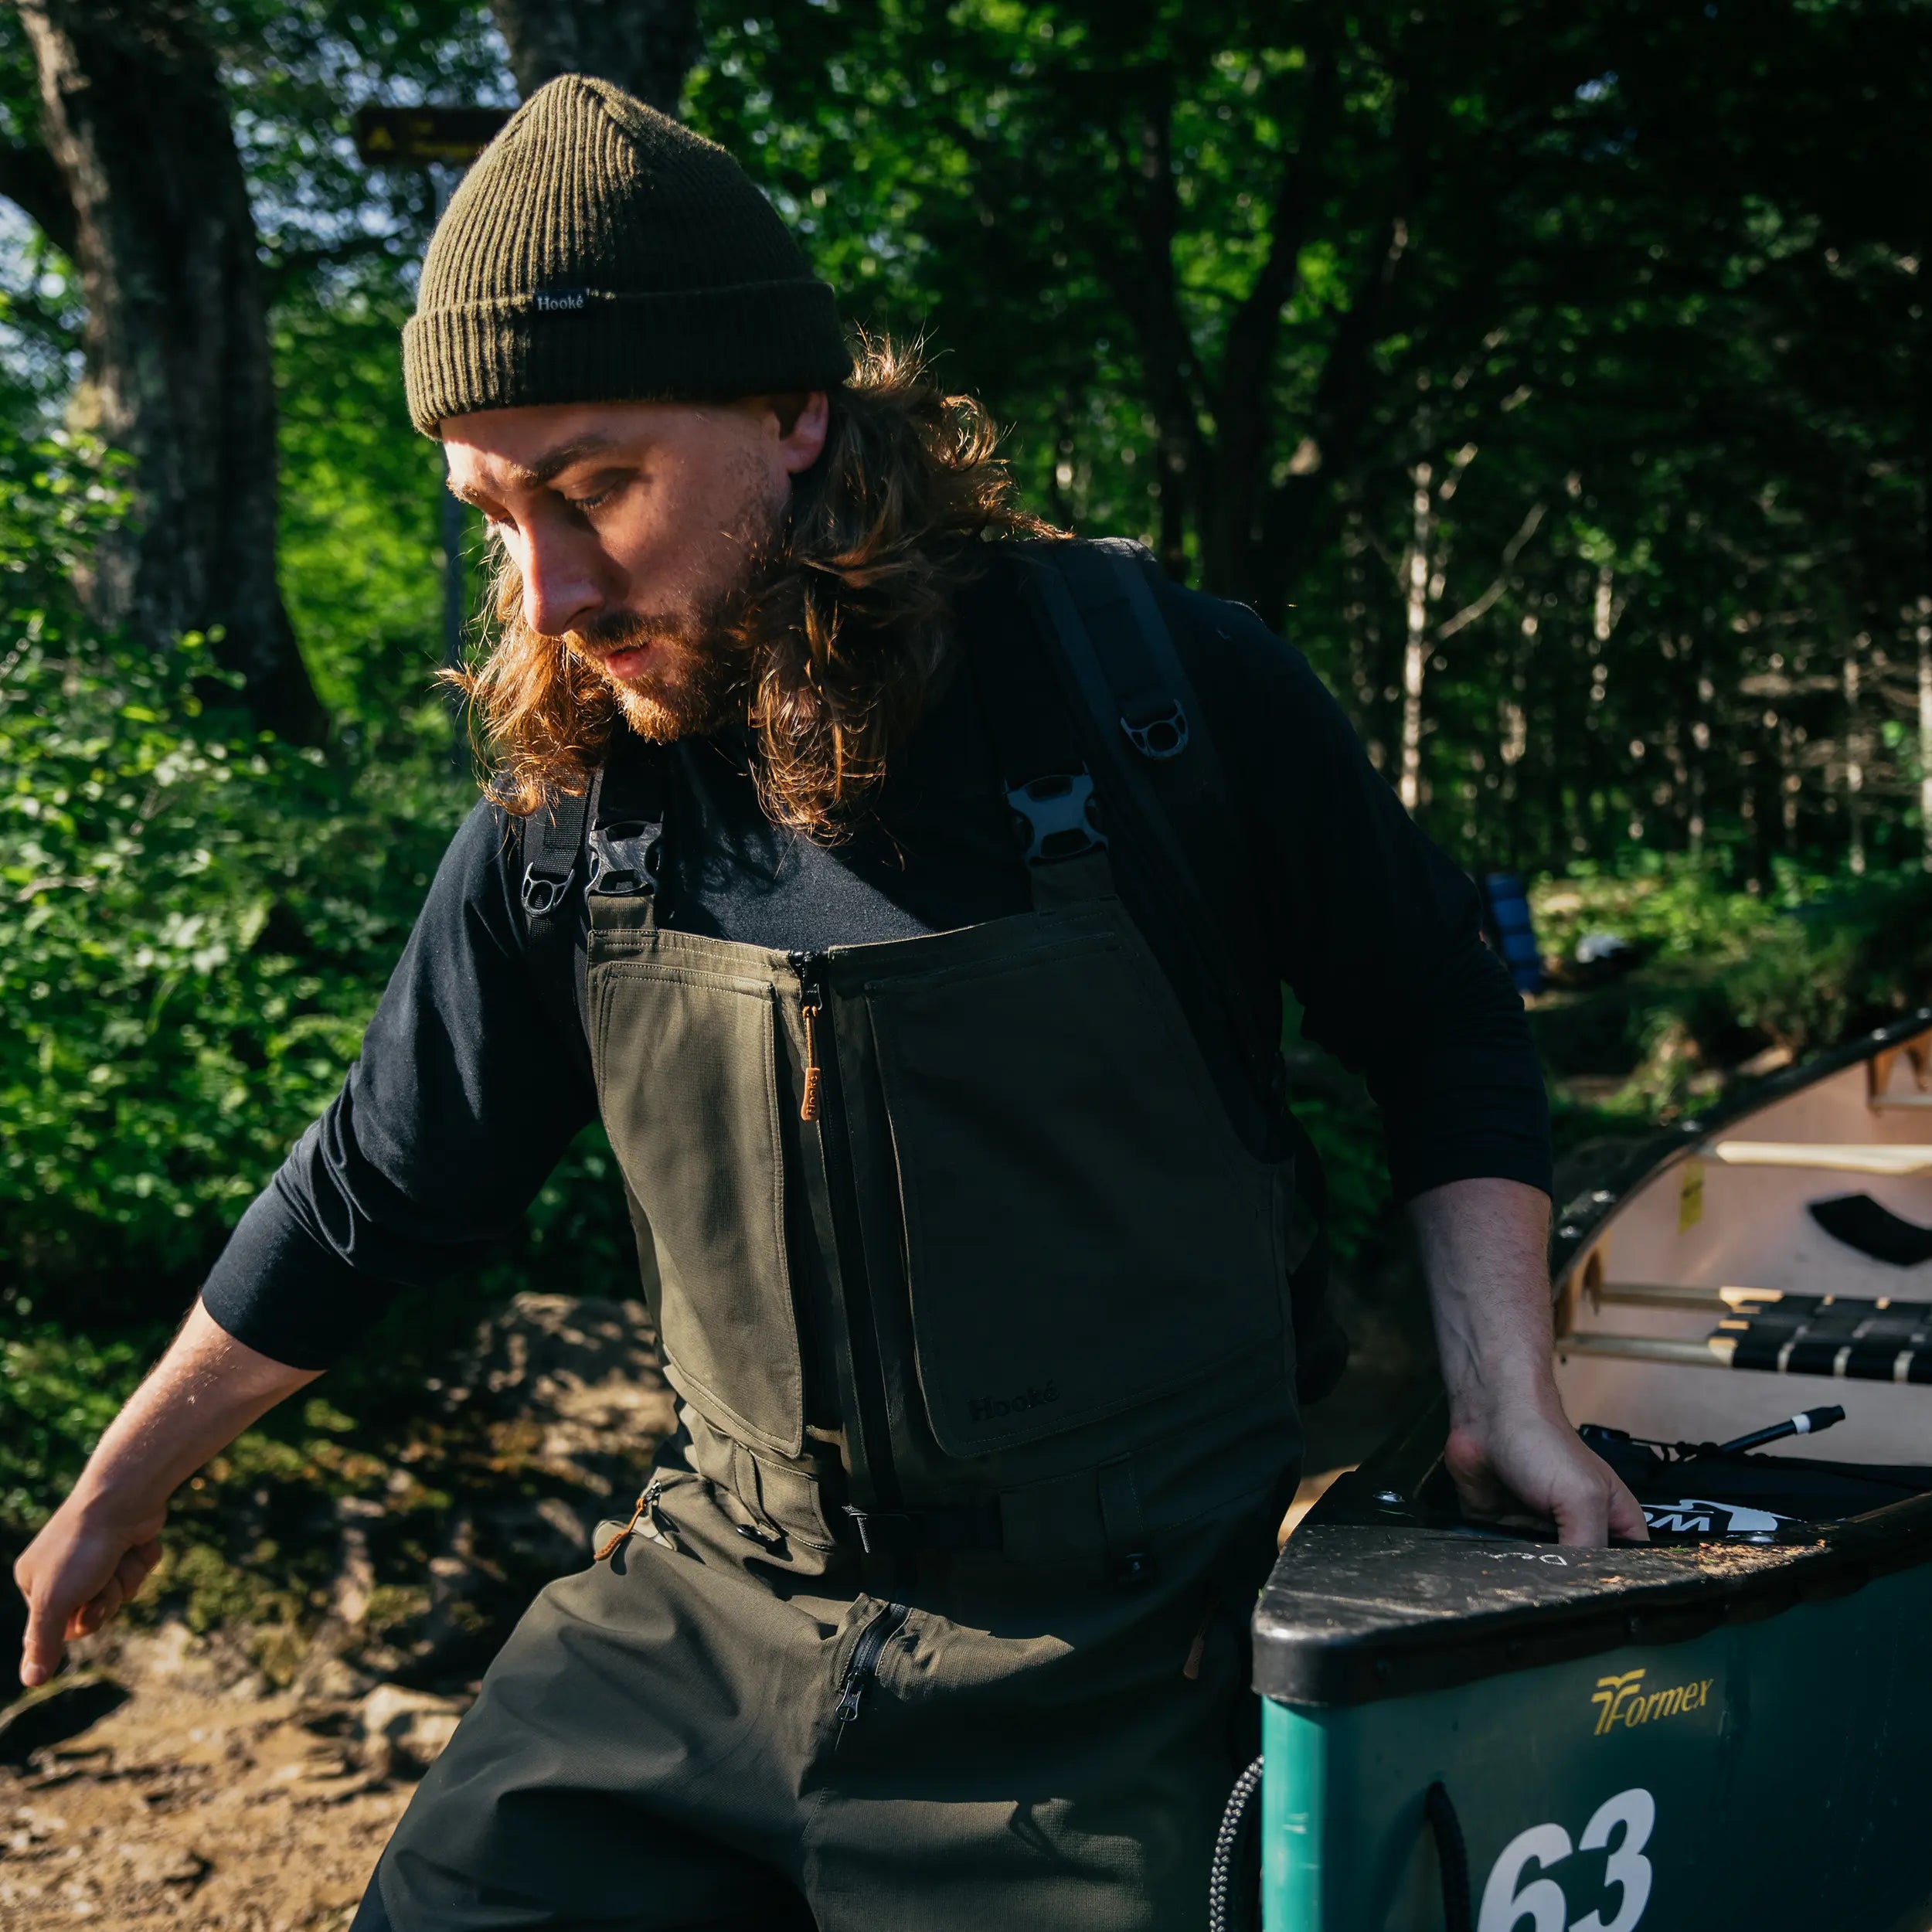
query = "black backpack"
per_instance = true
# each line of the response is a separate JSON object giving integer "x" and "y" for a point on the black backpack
{"x": 1123, "y": 688}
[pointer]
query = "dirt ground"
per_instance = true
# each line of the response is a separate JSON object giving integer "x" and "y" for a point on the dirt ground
{"x": 192, "y": 1805}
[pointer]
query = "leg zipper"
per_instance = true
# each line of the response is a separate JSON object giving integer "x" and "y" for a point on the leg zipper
{"x": 864, "y": 1664}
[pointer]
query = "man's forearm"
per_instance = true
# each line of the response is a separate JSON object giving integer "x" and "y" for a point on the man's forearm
{"x": 1484, "y": 1244}
{"x": 1511, "y": 1448}
{"x": 202, "y": 1394}
{"x": 99, "y": 1546}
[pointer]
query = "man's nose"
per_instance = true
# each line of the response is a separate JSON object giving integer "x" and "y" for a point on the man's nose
{"x": 562, "y": 590}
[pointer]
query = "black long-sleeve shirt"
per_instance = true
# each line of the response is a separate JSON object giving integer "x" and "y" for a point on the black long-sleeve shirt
{"x": 467, "y": 1090}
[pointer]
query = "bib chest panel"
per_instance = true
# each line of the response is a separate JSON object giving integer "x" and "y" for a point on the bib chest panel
{"x": 1046, "y": 1247}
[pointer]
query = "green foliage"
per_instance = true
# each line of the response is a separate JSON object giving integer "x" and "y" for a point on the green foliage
{"x": 1346, "y": 1138}
{"x": 62, "y": 1390}
{"x": 1728, "y": 976}
{"x": 194, "y": 921}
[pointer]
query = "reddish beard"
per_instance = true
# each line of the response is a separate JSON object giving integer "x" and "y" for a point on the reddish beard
{"x": 693, "y": 681}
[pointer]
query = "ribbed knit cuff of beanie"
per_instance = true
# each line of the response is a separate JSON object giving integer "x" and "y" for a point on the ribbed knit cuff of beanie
{"x": 599, "y": 251}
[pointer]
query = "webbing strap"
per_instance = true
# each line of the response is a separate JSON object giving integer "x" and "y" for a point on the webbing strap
{"x": 1833, "y": 1335}
{"x": 1048, "y": 790}
{"x": 552, "y": 838}
{"x": 550, "y": 843}
{"x": 1122, "y": 659}
{"x": 624, "y": 849}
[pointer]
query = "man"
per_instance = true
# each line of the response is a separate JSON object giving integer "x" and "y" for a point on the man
{"x": 971, "y": 1267}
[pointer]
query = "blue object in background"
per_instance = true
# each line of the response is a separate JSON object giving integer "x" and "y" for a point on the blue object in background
{"x": 1512, "y": 930}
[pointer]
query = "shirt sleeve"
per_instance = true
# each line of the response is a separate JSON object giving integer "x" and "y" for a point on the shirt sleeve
{"x": 460, "y": 1104}
{"x": 1376, "y": 932}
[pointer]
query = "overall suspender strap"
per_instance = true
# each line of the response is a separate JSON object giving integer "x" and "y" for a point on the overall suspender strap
{"x": 552, "y": 838}
{"x": 623, "y": 851}
{"x": 1160, "y": 770}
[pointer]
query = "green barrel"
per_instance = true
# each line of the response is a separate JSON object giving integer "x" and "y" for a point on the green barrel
{"x": 1730, "y": 1739}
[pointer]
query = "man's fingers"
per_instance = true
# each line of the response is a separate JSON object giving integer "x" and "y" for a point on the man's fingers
{"x": 40, "y": 1652}
{"x": 134, "y": 1566}
{"x": 1582, "y": 1517}
{"x": 97, "y": 1610}
{"x": 1627, "y": 1516}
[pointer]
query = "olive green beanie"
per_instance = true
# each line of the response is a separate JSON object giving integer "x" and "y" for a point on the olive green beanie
{"x": 599, "y": 252}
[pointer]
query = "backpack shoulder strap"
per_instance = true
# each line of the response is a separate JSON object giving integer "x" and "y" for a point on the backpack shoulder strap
{"x": 1151, "y": 735}
{"x": 550, "y": 844}
{"x": 1148, "y": 729}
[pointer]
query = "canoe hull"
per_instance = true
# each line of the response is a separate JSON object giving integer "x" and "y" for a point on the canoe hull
{"x": 1777, "y": 1771}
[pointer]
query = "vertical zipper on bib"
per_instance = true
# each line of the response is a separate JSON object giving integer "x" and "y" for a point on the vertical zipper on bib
{"x": 823, "y": 1104}
{"x": 811, "y": 1004}
{"x": 864, "y": 1665}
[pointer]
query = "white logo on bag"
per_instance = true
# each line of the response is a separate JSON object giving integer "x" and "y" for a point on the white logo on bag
{"x": 1694, "y": 1516}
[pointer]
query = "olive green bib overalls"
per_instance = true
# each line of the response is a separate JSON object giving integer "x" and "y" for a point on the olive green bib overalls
{"x": 973, "y": 1658}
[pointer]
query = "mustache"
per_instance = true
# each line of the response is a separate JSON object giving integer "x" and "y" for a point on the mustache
{"x": 621, "y": 631}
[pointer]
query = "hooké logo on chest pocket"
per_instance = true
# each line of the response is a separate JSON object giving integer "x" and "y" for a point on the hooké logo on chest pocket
{"x": 993, "y": 1408}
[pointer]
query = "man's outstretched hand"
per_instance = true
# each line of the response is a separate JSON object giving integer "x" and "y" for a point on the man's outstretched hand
{"x": 75, "y": 1575}
{"x": 97, "y": 1548}
{"x": 1523, "y": 1461}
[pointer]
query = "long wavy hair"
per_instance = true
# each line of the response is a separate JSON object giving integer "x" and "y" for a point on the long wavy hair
{"x": 840, "y": 631}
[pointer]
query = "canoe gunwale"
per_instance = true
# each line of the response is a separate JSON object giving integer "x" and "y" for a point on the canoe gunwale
{"x": 1579, "y": 1220}
{"x": 1329, "y": 1631}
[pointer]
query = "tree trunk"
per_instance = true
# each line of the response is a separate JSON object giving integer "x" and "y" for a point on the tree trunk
{"x": 646, "y": 46}
{"x": 1922, "y": 639}
{"x": 1415, "y": 650}
{"x": 178, "y": 374}
{"x": 1854, "y": 760}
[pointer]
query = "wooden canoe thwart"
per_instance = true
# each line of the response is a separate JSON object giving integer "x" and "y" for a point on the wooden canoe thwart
{"x": 1452, "y": 1703}
{"x": 1851, "y": 1158}
{"x": 1717, "y": 1250}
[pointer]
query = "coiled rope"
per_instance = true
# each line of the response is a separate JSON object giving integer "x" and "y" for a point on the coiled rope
{"x": 1227, "y": 1845}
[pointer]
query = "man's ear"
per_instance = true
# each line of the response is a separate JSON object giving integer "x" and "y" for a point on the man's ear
{"x": 804, "y": 423}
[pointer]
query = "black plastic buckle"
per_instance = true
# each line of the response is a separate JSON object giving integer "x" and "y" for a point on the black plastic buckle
{"x": 623, "y": 859}
{"x": 1056, "y": 817}
{"x": 544, "y": 892}
{"x": 1163, "y": 735}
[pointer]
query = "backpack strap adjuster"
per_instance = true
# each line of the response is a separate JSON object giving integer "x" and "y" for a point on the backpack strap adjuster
{"x": 1056, "y": 817}
{"x": 543, "y": 892}
{"x": 1162, "y": 735}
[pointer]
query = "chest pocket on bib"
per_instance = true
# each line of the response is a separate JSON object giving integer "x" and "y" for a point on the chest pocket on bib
{"x": 686, "y": 1063}
{"x": 1083, "y": 1231}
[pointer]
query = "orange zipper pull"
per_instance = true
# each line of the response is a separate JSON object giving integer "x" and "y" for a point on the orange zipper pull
{"x": 808, "y": 1101}
{"x": 643, "y": 1503}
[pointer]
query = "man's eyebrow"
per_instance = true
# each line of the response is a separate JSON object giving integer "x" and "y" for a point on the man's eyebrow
{"x": 552, "y": 463}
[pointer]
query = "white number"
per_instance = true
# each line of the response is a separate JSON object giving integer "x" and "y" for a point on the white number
{"x": 1507, "y": 1901}
{"x": 1543, "y": 1903}
{"x": 1636, "y": 1812}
